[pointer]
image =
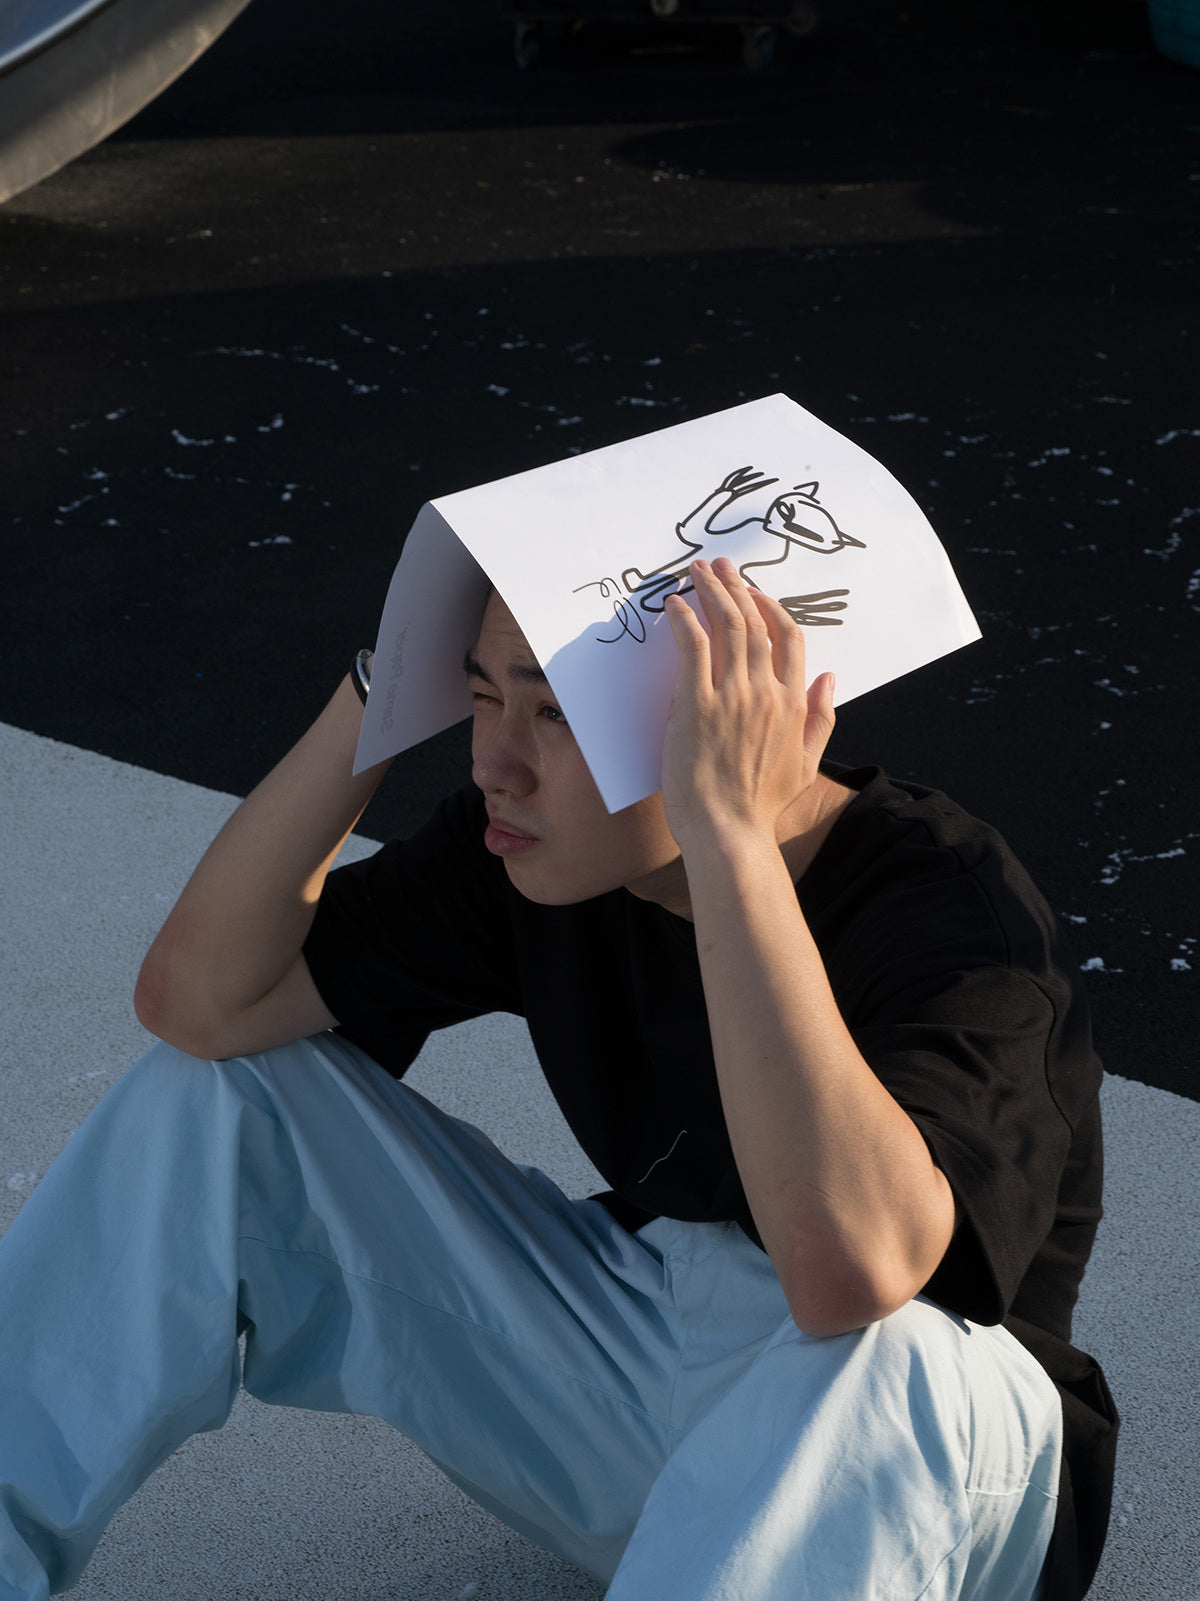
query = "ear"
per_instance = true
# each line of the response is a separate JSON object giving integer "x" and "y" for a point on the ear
{"x": 808, "y": 490}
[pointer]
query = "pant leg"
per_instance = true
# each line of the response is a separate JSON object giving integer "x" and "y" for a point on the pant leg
{"x": 388, "y": 1260}
{"x": 118, "y": 1318}
{"x": 383, "y": 1258}
{"x": 522, "y": 1340}
{"x": 915, "y": 1458}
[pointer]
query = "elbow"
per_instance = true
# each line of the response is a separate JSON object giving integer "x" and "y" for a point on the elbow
{"x": 839, "y": 1279}
{"x": 160, "y": 1005}
{"x": 149, "y": 995}
{"x": 826, "y": 1315}
{"x": 838, "y": 1295}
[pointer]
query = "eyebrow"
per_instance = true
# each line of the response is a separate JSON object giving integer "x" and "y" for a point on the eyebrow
{"x": 520, "y": 673}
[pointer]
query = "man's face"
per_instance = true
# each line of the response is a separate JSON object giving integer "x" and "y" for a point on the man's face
{"x": 546, "y": 818}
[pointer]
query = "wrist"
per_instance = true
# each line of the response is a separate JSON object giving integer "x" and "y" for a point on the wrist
{"x": 726, "y": 841}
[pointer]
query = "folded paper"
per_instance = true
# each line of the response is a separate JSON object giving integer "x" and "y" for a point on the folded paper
{"x": 584, "y": 551}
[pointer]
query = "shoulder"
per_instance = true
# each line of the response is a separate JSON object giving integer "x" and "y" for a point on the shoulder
{"x": 900, "y": 811}
{"x": 910, "y": 892}
{"x": 925, "y": 917}
{"x": 909, "y": 856}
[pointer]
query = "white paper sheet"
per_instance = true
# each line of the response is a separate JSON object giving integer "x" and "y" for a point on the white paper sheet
{"x": 583, "y": 551}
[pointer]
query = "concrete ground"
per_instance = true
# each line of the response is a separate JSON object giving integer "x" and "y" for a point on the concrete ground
{"x": 288, "y": 1506}
{"x": 354, "y": 260}
{"x": 279, "y": 1504}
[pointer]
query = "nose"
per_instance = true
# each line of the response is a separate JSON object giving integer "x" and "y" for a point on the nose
{"x": 502, "y": 760}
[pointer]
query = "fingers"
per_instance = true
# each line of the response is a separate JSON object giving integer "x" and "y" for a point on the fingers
{"x": 695, "y": 661}
{"x": 741, "y": 641}
{"x": 745, "y": 734}
{"x": 820, "y": 719}
{"x": 787, "y": 641}
{"x": 686, "y": 626}
{"x": 749, "y": 631}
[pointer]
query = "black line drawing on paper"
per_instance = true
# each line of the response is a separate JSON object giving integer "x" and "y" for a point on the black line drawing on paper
{"x": 795, "y": 522}
{"x": 625, "y": 611}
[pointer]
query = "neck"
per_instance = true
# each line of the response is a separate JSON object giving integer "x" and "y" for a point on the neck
{"x": 805, "y": 827}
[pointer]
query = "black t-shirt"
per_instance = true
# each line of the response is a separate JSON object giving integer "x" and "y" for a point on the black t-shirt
{"x": 949, "y": 971}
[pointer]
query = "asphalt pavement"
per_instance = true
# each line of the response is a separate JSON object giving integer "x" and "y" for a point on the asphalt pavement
{"x": 351, "y": 262}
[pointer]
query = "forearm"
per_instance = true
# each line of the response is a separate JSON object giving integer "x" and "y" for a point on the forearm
{"x": 236, "y": 931}
{"x": 850, "y": 1206}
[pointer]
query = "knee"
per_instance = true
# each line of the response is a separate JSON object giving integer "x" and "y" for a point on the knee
{"x": 167, "y": 1061}
{"x": 977, "y": 1382}
{"x": 926, "y": 1345}
{"x": 163, "y": 1078}
{"x": 262, "y": 1076}
{"x": 168, "y": 1080}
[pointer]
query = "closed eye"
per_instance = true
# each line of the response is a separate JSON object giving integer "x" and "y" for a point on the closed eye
{"x": 552, "y": 714}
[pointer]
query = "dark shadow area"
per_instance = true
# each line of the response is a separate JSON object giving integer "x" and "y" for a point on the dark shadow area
{"x": 299, "y": 67}
{"x": 210, "y": 493}
{"x": 1070, "y": 165}
{"x": 338, "y": 270}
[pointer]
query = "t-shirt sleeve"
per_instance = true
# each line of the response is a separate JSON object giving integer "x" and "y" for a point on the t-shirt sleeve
{"x": 969, "y": 1064}
{"x": 415, "y": 937}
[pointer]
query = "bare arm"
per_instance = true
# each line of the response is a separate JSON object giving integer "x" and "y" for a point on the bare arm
{"x": 226, "y": 975}
{"x": 852, "y": 1210}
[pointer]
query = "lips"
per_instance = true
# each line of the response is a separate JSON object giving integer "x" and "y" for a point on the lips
{"x": 503, "y": 838}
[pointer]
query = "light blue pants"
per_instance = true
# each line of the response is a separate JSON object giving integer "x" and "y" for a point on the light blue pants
{"x": 641, "y": 1404}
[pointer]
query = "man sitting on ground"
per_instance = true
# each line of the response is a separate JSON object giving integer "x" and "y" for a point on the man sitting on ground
{"x": 816, "y": 1029}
